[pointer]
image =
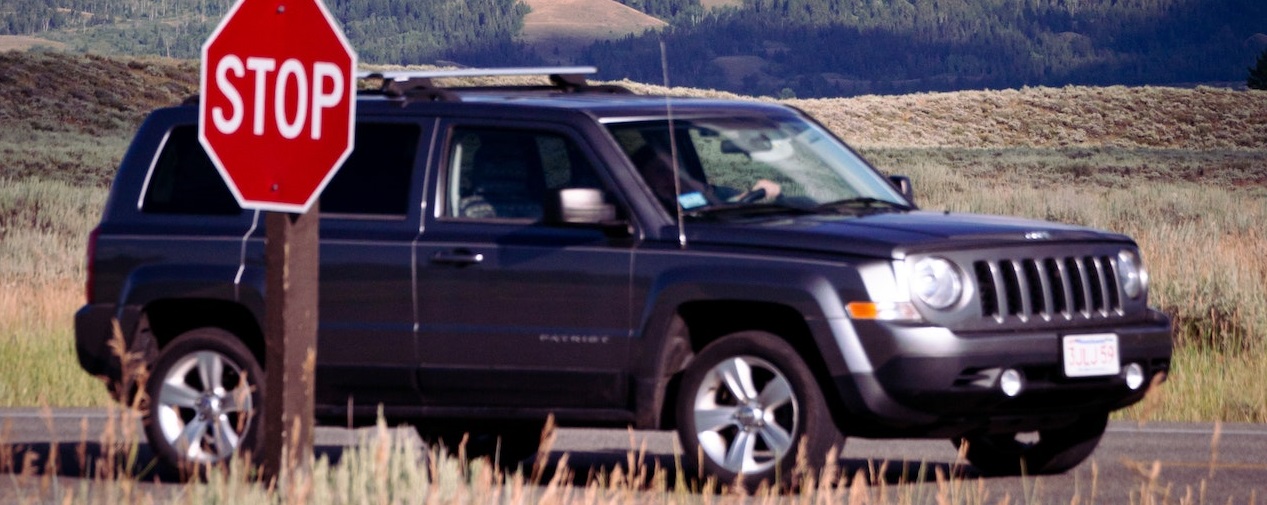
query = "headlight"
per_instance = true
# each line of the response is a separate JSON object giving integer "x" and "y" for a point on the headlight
{"x": 937, "y": 283}
{"x": 1131, "y": 270}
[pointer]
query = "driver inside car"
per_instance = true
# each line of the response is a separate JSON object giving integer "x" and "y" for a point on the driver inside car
{"x": 655, "y": 165}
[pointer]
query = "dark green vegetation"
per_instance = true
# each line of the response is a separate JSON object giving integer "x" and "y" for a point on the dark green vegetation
{"x": 673, "y": 11}
{"x": 850, "y": 47}
{"x": 784, "y": 48}
{"x": 1258, "y": 73}
{"x": 474, "y": 32}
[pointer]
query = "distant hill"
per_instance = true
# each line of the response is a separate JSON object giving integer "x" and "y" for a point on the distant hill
{"x": 557, "y": 30}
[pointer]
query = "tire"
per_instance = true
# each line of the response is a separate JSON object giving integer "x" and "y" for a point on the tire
{"x": 746, "y": 402}
{"x": 1056, "y": 450}
{"x": 504, "y": 445}
{"x": 205, "y": 400}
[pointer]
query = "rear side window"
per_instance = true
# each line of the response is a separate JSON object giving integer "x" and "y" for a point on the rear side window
{"x": 374, "y": 181}
{"x": 185, "y": 182}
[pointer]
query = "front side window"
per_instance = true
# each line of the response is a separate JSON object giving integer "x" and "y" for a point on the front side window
{"x": 736, "y": 163}
{"x": 513, "y": 174}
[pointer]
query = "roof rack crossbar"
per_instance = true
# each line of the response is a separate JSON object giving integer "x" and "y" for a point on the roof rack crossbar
{"x": 404, "y": 75}
{"x": 417, "y": 84}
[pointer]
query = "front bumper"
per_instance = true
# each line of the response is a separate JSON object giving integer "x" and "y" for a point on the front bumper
{"x": 928, "y": 381}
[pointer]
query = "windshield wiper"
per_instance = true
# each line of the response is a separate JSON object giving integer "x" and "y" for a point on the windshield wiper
{"x": 862, "y": 204}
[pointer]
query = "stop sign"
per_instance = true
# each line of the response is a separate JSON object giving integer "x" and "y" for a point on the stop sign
{"x": 278, "y": 102}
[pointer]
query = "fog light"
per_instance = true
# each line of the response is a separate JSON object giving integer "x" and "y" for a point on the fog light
{"x": 1134, "y": 376}
{"x": 1010, "y": 382}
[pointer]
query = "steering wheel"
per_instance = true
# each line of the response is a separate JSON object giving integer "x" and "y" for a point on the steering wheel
{"x": 753, "y": 196}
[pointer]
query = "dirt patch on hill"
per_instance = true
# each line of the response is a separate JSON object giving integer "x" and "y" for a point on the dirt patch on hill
{"x": 23, "y": 42}
{"x": 559, "y": 29}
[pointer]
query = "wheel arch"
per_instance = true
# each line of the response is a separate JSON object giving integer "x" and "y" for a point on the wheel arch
{"x": 168, "y": 318}
{"x": 160, "y": 302}
{"x": 695, "y": 308}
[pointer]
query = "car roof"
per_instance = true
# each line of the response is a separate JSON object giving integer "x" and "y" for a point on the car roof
{"x": 599, "y": 105}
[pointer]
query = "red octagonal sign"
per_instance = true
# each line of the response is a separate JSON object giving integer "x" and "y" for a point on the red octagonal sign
{"x": 278, "y": 102}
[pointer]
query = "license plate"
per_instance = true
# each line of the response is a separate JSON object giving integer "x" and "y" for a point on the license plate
{"x": 1091, "y": 355}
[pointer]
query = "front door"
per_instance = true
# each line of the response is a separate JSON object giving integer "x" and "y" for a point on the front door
{"x": 517, "y": 308}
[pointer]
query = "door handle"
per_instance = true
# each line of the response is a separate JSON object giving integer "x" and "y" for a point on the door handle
{"x": 457, "y": 258}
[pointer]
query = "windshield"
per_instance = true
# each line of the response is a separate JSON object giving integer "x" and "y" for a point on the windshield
{"x": 738, "y": 164}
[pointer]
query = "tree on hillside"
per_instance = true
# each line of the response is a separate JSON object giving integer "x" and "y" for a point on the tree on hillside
{"x": 1258, "y": 73}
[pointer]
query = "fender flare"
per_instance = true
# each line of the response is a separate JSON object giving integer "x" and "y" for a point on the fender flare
{"x": 152, "y": 283}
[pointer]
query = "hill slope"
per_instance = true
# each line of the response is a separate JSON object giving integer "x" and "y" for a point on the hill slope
{"x": 68, "y": 117}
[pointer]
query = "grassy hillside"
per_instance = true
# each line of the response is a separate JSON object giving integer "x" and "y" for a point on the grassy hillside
{"x": 67, "y": 118}
{"x": 1184, "y": 171}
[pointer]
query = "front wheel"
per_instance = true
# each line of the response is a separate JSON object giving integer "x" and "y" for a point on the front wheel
{"x": 1056, "y": 450}
{"x": 746, "y": 402}
{"x": 204, "y": 400}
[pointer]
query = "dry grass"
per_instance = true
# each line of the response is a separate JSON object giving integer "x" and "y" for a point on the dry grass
{"x": 37, "y": 347}
{"x": 1074, "y": 116}
{"x": 1135, "y": 117}
{"x": 389, "y": 466}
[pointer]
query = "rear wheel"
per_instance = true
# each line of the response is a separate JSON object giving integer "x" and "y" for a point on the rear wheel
{"x": 1056, "y": 450}
{"x": 746, "y": 402}
{"x": 205, "y": 398}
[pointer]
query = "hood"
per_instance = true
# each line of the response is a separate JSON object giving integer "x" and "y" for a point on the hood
{"x": 891, "y": 235}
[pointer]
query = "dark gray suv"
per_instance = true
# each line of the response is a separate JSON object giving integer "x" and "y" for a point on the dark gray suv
{"x": 728, "y": 269}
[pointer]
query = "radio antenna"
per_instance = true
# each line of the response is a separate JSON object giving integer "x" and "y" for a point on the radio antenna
{"x": 677, "y": 180}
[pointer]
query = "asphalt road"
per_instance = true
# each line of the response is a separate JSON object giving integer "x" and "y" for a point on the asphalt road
{"x": 1230, "y": 467}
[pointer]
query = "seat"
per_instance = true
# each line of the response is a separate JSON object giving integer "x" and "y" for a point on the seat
{"x": 503, "y": 184}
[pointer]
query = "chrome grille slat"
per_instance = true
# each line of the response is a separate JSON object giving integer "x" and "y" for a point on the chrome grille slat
{"x": 1066, "y": 281}
{"x": 1022, "y": 285}
{"x": 1085, "y": 285}
{"x": 1044, "y": 280}
{"x": 1042, "y": 289}
{"x": 1103, "y": 280}
{"x": 1000, "y": 291}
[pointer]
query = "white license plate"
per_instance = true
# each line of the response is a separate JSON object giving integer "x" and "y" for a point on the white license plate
{"x": 1091, "y": 355}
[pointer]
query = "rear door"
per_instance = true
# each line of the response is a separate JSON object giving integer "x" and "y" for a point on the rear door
{"x": 516, "y": 308}
{"x": 369, "y": 220}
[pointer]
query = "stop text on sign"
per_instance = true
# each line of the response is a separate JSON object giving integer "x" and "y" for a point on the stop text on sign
{"x": 314, "y": 90}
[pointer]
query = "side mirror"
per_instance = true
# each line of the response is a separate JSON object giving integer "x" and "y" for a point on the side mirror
{"x": 903, "y": 184}
{"x": 586, "y": 206}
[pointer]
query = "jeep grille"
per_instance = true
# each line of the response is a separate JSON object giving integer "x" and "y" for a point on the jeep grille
{"x": 1049, "y": 288}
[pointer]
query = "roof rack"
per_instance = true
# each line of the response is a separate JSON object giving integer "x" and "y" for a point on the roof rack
{"x": 416, "y": 84}
{"x": 401, "y": 75}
